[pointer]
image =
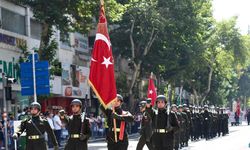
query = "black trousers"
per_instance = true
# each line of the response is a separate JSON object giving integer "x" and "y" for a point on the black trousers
{"x": 39, "y": 144}
{"x": 141, "y": 143}
{"x": 120, "y": 145}
{"x": 163, "y": 141}
{"x": 76, "y": 144}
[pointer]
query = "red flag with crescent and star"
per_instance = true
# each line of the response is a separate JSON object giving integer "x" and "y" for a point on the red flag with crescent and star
{"x": 151, "y": 90}
{"x": 101, "y": 77}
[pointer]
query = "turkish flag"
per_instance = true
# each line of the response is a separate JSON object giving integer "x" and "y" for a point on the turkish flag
{"x": 238, "y": 108}
{"x": 151, "y": 90}
{"x": 101, "y": 77}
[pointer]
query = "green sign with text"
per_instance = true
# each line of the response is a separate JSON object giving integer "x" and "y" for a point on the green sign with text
{"x": 10, "y": 68}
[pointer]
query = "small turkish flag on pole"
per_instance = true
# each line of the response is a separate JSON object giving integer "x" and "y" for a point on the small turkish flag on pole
{"x": 151, "y": 90}
{"x": 101, "y": 77}
{"x": 238, "y": 108}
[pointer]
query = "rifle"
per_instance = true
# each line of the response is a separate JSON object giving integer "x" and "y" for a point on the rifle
{"x": 83, "y": 116}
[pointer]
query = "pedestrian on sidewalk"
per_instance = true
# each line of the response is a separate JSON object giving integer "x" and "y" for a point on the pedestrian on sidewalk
{"x": 57, "y": 127}
{"x": 248, "y": 117}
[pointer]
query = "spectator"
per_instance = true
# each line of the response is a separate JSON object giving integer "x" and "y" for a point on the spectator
{"x": 93, "y": 124}
{"x": 11, "y": 127}
{"x": 248, "y": 117}
{"x": 57, "y": 127}
{"x": 49, "y": 117}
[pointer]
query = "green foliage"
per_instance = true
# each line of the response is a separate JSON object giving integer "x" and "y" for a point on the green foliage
{"x": 121, "y": 83}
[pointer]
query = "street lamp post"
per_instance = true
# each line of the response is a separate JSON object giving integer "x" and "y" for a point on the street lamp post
{"x": 4, "y": 83}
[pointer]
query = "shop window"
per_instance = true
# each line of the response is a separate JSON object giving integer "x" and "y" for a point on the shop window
{"x": 35, "y": 29}
{"x": 13, "y": 22}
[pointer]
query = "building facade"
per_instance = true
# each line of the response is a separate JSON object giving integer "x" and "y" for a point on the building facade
{"x": 19, "y": 28}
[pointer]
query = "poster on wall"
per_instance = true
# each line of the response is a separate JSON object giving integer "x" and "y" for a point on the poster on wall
{"x": 74, "y": 80}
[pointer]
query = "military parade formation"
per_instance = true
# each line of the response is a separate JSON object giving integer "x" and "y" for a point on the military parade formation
{"x": 163, "y": 127}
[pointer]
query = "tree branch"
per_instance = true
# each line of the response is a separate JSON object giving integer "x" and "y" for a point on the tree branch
{"x": 152, "y": 38}
{"x": 132, "y": 40}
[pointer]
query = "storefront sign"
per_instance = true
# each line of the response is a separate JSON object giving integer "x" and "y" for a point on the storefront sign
{"x": 12, "y": 41}
{"x": 10, "y": 68}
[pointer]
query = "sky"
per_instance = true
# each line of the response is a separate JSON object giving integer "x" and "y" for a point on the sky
{"x": 224, "y": 9}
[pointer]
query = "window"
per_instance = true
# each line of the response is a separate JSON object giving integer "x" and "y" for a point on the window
{"x": 35, "y": 29}
{"x": 13, "y": 22}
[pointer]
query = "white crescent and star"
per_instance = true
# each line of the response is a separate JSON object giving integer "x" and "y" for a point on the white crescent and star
{"x": 107, "y": 62}
{"x": 151, "y": 92}
{"x": 102, "y": 37}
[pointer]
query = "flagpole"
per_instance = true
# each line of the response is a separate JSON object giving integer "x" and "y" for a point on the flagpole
{"x": 114, "y": 122}
{"x": 113, "y": 107}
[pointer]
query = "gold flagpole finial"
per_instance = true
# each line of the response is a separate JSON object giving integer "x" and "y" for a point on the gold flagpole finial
{"x": 151, "y": 74}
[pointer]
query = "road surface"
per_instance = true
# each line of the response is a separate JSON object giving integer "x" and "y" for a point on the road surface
{"x": 238, "y": 139}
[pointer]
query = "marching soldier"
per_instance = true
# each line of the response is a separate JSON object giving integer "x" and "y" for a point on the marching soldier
{"x": 35, "y": 127}
{"x": 189, "y": 123}
{"x": 184, "y": 126}
{"x": 165, "y": 123}
{"x": 122, "y": 117}
{"x": 177, "y": 134}
{"x": 146, "y": 126}
{"x": 207, "y": 119}
{"x": 78, "y": 127}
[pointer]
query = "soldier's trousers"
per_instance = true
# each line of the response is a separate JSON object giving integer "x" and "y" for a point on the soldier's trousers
{"x": 142, "y": 142}
{"x": 120, "y": 145}
{"x": 163, "y": 141}
{"x": 76, "y": 144}
{"x": 39, "y": 144}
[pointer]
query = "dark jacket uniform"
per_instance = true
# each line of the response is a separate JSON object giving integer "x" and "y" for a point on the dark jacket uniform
{"x": 124, "y": 116}
{"x": 146, "y": 132}
{"x": 79, "y": 132}
{"x": 207, "y": 120}
{"x": 177, "y": 134}
{"x": 184, "y": 129}
{"x": 164, "y": 126}
{"x": 35, "y": 128}
{"x": 189, "y": 126}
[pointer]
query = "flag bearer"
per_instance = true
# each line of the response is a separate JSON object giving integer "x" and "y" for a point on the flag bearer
{"x": 119, "y": 142}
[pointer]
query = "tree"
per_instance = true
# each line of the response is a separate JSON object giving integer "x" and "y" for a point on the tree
{"x": 67, "y": 16}
{"x": 224, "y": 50}
{"x": 136, "y": 34}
